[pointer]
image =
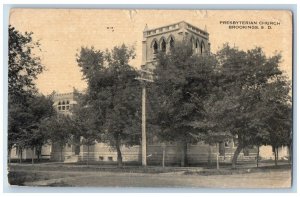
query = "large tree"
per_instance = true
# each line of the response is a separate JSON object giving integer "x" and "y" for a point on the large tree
{"x": 276, "y": 114}
{"x": 40, "y": 108}
{"x": 182, "y": 77}
{"x": 113, "y": 95}
{"x": 25, "y": 122}
{"x": 23, "y": 68}
{"x": 83, "y": 124}
{"x": 58, "y": 132}
{"x": 244, "y": 78}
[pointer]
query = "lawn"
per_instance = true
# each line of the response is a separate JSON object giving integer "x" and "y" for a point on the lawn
{"x": 59, "y": 174}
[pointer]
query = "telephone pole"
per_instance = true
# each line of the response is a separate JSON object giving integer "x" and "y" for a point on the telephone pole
{"x": 145, "y": 77}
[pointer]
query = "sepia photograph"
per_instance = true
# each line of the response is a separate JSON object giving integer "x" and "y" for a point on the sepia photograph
{"x": 150, "y": 98}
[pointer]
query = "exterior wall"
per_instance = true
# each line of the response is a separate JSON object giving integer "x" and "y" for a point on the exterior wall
{"x": 28, "y": 153}
{"x": 56, "y": 153}
{"x": 266, "y": 152}
{"x": 64, "y": 102}
{"x": 196, "y": 154}
{"x": 103, "y": 152}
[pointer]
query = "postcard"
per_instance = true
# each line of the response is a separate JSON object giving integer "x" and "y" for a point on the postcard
{"x": 150, "y": 98}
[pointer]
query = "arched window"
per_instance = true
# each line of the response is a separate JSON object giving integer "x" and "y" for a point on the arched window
{"x": 197, "y": 46}
{"x": 63, "y": 103}
{"x": 172, "y": 42}
{"x": 193, "y": 43}
{"x": 163, "y": 45}
{"x": 155, "y": 47}
{"x": 68, "y": 102}
{"x": 202, "y": 49}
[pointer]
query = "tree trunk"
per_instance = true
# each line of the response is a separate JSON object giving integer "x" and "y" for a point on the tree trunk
{"x": 163, "y": 155}
{"x": 32, "y": 156}
{"x": 88, "y": 156}
{"x": 224, "y": 152}
{"x": 217, "y": 154}
{"x": 184, "y": 154}
{"x": 20, "y": 154}
{"x": 9, "y": 155}
{"x": 61, "y": 157}
{"x": 290, "y": 153}
{"x": 209, "y": 159}
{"x": 77, "y": 145}
{"x": 38, "y": 152}
{"x": 257, "y": 157}
{"x": 119, "y": 158}
{"x": 276, "y": 156}
{"x": 235, "y": 155}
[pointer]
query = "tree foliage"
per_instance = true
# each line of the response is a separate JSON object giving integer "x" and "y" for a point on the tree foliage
{"x": 24, "y": 128}
{"x": 58, "y": 131}
{"x": 249, "y": 88}
{"x": 184, "y": 80}
{"x": 26, "y": 108}
{"x": 113, "y": 95}
{"x": 24, "y": 65}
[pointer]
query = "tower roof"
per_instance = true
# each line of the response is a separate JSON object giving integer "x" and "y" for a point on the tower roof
{"x": 175, "y": 26}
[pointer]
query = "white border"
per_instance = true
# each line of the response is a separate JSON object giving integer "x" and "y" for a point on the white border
{"x": 59, "y": 3}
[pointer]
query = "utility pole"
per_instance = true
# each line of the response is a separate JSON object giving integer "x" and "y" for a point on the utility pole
{"x": 217, "y": 155}
{"x": 144, "y": 137}
{"x": 145, "y": 76}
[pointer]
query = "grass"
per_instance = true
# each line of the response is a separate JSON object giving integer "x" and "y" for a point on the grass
{"x": 21, "y": 173}
{"x": 59, "y": 184}
{"x": 20, "y": 177}
{"x": 229, "y": 171}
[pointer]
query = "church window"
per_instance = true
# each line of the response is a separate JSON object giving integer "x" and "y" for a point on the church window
{"x": 155, "y": 47}
{"x": 63, "y": 105}
{"x": 197, "y": 46}
{"x": 202, "y": 47}
{"x": 171, "y": 42}
{"x": 193, "y": 43}
{"x": 163, "y": 45}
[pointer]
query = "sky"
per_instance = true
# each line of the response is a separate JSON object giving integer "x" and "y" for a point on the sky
{"x": 62, "y": 32}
